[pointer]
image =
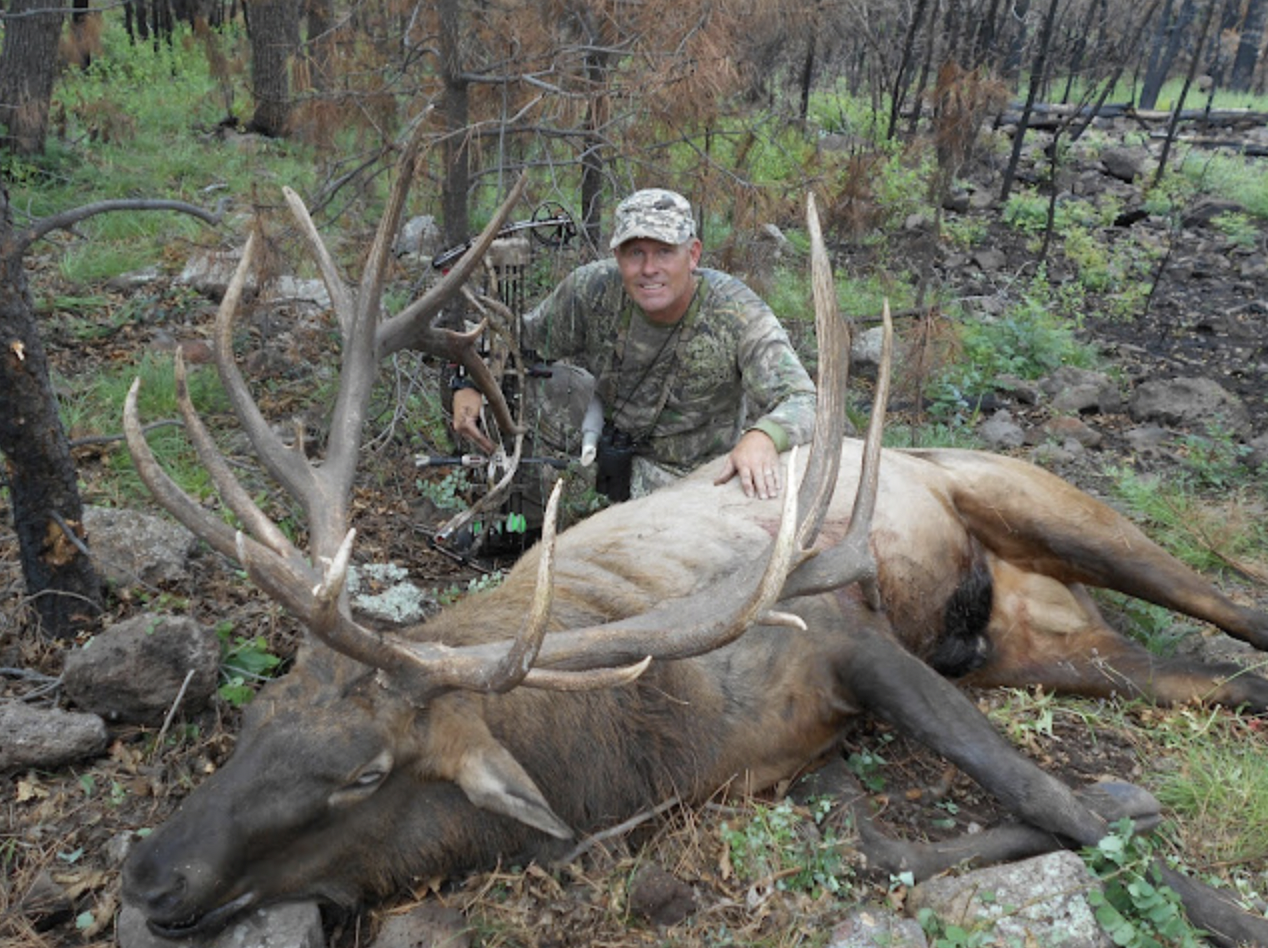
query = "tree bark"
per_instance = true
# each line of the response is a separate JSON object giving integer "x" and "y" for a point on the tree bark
{"x": 28, "y": 65}
{"x": 47, "y": 510}
{"x": 274, "y": 29}
{"x": 1164, "y": 55}
{"x": 456, "y": 107}
{"x": 1252, "y": 39}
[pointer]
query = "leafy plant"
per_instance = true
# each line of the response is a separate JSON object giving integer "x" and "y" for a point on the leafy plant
{"x": 776, "y": 844}
{"x": 866, "y": 765}
{"x": 1237, "y": 228}
{"x": 946, "y": 934}
{"x": 1028, "y": 341}
{"x": 1133, "y": 905}
{"x": 244, "y": 663}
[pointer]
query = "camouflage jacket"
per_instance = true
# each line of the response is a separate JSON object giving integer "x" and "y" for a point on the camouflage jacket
{"x": 684, "y": 392}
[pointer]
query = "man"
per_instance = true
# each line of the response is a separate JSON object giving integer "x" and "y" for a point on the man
{"x": 680, "y": 356}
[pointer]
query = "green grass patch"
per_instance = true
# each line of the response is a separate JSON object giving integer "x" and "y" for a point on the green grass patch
{"x": 93, "y": 405}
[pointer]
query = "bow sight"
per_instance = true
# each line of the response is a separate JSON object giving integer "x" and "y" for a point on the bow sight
{"x": 551, "y": 225}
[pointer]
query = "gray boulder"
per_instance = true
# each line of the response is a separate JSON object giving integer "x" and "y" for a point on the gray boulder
{"x": 1039, "y": 901}
{"x": 134, "y": 671}
{"x": 1189, "y": 403}
{"x": 46, "y": 738}
{"x": 132, "y": 548}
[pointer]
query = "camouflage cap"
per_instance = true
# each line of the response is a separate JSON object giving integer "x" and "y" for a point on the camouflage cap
{"x": 656, "y": 213}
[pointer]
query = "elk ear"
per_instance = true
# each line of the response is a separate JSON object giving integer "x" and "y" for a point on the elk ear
{"x": 493, "y": 780}
{"x": 465, "y": 752}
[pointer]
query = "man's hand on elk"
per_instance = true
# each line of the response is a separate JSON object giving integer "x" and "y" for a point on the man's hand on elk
{"x": 756, "y": 461}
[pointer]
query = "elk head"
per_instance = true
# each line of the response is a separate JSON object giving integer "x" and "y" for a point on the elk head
{"x": 373, "y": 759}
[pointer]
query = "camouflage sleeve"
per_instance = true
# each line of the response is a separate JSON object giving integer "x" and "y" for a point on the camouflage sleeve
{"x": 578, "y": 318}
{"x": 780, "y": 393}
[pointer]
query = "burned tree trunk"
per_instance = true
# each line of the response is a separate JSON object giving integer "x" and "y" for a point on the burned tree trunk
{"x": 274, "y": 30}
{"x": 28, "y": 66}
{"x": 47, "y": 511}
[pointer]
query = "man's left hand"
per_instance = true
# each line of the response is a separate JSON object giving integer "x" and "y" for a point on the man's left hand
{"x": 755, "y": 459}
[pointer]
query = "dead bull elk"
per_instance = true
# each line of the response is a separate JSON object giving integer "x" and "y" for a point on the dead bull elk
{"x": 655, "y": 654}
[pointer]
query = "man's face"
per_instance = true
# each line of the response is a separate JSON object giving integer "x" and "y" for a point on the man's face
{"x": 658, "y": 276}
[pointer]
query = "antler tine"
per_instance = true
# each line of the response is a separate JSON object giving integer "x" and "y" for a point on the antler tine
{"x": 851, "y": 560}
{"x": 287, "y": 570}
{"x": 833, "y": 335}
{"x": 340, "y": 295}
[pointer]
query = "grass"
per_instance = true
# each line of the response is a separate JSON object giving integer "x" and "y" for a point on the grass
{"x": 92, "y": 405}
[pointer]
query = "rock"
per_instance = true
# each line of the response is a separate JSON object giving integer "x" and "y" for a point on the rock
{"x": 209, "y": 273}
{"x": 1063, "y": 428}
{"x": 133, "y": 548}
{"x": 1126, "y": 163}
{"x": 47, "y": 738}
{"x": 384, "y": 590}
{"x": 1000, "y": 431}
{"x": 1206, "y": 210}
{"x": 1258, "y": 457}
{"x": 865, "y": 348}
{"x": 1149, "y": 440}
{"x": 285, "y": 925}
{"x": 419, "y": 236}
{"x": 428, "y": 924}
{"x": 1019, "y": 389}
{"x": 133, "y": 671}
{"x": 1082, "y": 390}
{"x": 990, "y": 260}
{"x": 1189, "y": 403}
{"x": 877, "y": 928}
{"x": 292, "y": 290}
{"x": 775, "y": 242}
{"x": 660, "y": 897}
{"x": 1040, "y": 901}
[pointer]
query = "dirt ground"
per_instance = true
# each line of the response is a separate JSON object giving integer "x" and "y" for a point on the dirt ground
{"x": 63, "y": 833}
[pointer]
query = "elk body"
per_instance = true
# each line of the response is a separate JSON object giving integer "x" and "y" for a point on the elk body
{"x": 445, "y": 748}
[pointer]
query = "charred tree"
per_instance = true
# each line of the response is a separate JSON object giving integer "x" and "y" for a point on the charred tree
{"x": 47, "y": 510}
{"x": 274, "y": 34}
{"x": 898, "y": 94}
{"x": 28, "y": 66}
{"x": 39, "y": 471}
{"x": 1184, "y": 91}
{"x": 456, "y": 107}
{"x": 1165, "y": 49}
{"x": 1252, "y": 40}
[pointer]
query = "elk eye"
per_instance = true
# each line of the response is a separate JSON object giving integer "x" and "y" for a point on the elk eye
{"x": 364, "y": 781}
{"x": 368, "y": 778}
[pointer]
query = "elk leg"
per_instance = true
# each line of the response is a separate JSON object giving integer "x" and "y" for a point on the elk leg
{"x": 1043, "y": 524}
{"x": 1044, "y": 632}
{"x": 1226, "y": 924}
{"x": 892, "y": 683}
{"x": 1007, "y": 843}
